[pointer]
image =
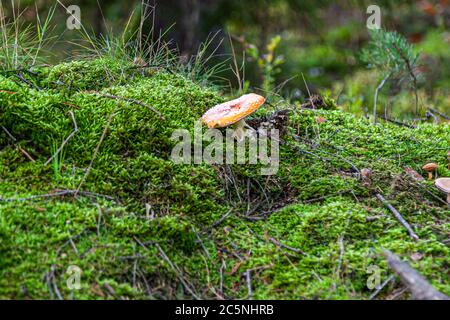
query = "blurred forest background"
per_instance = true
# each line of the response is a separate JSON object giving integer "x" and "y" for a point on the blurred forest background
{"x": 279, "y": 45}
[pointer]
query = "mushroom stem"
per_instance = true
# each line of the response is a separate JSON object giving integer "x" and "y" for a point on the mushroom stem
{"x": 430, "y": 175}
{"x": 448, "y": 198}
{"x": 239, "y": 130}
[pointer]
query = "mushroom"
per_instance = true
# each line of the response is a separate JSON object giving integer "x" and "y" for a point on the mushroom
{"x": 430, "y": 167}
{"x": 233, "y": 112}
{"x": 443, "y": 184}
{"x": 366, "y": 175}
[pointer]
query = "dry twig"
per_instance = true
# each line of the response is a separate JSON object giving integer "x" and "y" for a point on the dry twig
{"x": 398, "y": 216}
{"x": 172, "y": 266}
{"x": 58, "y": 193}
{"x": 14, "y": 141}
{"x": 217, "y": 222}
{"x": 280, "y": 245}
{"x": 443, "y": 115}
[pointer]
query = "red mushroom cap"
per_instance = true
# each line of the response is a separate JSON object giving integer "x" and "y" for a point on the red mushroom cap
{"x": 232, "y": 111}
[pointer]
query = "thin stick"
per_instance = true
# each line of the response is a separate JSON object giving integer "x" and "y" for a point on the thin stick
{"x": 398, "y": 216}
{"x": 95, "y": 152}
{"x": 373, "y": 295}
{"x": 280, "y": 245}
{"x": 8, "y": 92}
{"x": 74, "y": 247}
{"x": 446, "y": 117}
{"x": 429, "y": 114}
{"x": 397, "y": 122}
{"x": 49, "y": 284}
{"x": 57, "y": 194}
{"x": 172, "y": 266}
{"x": 420, "y": 288}
{"x": 53, "y": 282}
{"x": 99, "y": 220}
{"x": 249, "y": 284}
{"x": 14, "y": 141}
{"x": 140, "y": 103}
{"x": 9, "y": 134}
{"x": 309, "y": 93}
{"x": 411, "y": 73}
{"x": 29, "y": 83}
{"x": 339, "y": 193}
{"x": 75, "y": 130}
{"x": 216, "y": 223}
{"x": 26, "y": 154}
{"x": 375, "y": 97}
{"x": 199, "y": 239}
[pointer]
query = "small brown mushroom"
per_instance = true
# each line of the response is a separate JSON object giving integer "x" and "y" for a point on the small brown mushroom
{"x": 366, "y": 176}
{"x": 430, "y": 167}
{"x": 443, "y": 184}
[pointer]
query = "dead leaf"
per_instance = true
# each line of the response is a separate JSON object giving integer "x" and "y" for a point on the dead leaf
{"x": 235, "y": 268}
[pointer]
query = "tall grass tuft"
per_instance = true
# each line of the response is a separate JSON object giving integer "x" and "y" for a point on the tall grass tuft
{"x": 22, "y": 46}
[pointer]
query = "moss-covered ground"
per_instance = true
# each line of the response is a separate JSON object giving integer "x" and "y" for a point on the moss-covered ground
{"x": 143, "y": 227}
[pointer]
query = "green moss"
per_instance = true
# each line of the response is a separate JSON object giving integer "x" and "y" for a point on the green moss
{"x": 89, "y": 75}
{"x": 161, "y": 220}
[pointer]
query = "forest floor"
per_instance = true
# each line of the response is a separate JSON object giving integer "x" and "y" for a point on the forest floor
{"x": 87, "y": 183}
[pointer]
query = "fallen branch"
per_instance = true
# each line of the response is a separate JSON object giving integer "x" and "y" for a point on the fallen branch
{"x": 417, "y": 285}
{"x": 398, "y": 216}
{"x": 75, "y": 130}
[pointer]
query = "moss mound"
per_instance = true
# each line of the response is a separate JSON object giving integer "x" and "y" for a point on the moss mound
{"x": 143, "y": 227}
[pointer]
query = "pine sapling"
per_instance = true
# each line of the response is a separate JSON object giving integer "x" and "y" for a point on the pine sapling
{"x": 393, "y": 56}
